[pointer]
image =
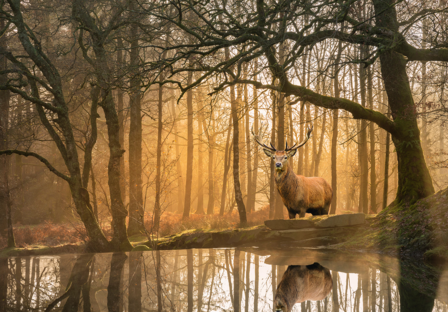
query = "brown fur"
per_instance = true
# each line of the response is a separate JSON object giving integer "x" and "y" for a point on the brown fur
{"x": 301, "y": 194}
{"x": 300, "y": 283}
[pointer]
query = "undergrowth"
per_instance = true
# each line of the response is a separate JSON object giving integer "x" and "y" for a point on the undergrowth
{"x": 50, "y": 234}
{"x": 171, "y": 223}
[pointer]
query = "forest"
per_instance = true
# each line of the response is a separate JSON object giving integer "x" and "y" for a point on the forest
{"x": 131, "y": 119}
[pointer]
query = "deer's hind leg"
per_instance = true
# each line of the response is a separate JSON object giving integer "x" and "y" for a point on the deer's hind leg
{"x": 326, "y": 209}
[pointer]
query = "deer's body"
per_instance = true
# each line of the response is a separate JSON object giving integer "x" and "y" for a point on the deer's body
{"x": 300, "y": 283}
{"x": 303, "y": 195}
{"x": 299, "y": 194}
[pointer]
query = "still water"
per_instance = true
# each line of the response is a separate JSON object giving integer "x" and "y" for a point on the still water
{"x": 221, "y": 280}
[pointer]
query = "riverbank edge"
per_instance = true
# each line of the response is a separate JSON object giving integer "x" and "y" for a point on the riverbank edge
{"x": 419, "y": 231}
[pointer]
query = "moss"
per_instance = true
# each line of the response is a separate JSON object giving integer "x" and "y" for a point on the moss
{"x": 39, "y": 250}
{"x": 138, "y": 238}
{"x": 141, "y": 248}
{"x": 420, "y": 229}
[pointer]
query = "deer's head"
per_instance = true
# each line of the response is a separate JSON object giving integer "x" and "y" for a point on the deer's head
{"x": 281, "y": 157}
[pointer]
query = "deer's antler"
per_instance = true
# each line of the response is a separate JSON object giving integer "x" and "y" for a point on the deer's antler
{"x": 307, "y": 137}
{"x": 272, "y": 148}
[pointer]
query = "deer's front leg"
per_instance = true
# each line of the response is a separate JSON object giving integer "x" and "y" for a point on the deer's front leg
{"x": 302, "y": 213}
{"x": 292, "y": 214}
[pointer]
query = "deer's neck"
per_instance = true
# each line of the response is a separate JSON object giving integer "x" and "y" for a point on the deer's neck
{"x": 282, "y": 176}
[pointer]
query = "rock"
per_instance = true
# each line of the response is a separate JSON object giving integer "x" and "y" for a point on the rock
{"x": 341, "y": 220}
{"x": 288, "y": 224}
{"x": 303, "y": 234}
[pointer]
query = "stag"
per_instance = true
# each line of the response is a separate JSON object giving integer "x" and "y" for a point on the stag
{"x": 299, "y": 194}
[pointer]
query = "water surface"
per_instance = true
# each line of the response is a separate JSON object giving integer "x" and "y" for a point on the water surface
{"x": 221, "y": 280}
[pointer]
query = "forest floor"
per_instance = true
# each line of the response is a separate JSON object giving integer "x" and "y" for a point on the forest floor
{"x": 419, "y": 231}
{"x": 50, "y": 238}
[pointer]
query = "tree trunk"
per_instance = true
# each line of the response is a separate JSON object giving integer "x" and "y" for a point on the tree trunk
{"x": 363, "y": 161}
{"x": 236, "y": 154}
{"x": 414, "y": 180}
{"x": 180, "y": 183}
{"x": 291, "y": 129}
{"x": 119, "y": 212}
{"x": 211, "y": 178}
{"x": 306, "y": 167}
{"x": 250, "y": 203}
{"x": 104, "y": 79}
{"x": 373, "y": 207}
{"x": 5, "y": 199}
{"x": 272, "y": 191}
{"x": 136, "y": 213}
{"x": 334, "y": 144}
{"x": 189, "y": 177}
{"x": 157, "y": 207}
{"x": 280, "y": 146}
{"x": 321, "y": 143}
{"x": 200, "y": 208}
{"x": 334, "y": 141}
{"x": 95, "y": 202}
{"x": 253, "y": 185}
{"x": 121, "y": 119}
{"x": 301, "y": 137}
{"x": 242, "y": 142}
{"x": 226, "y": 169}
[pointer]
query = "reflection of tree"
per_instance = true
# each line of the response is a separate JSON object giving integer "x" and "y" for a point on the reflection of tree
{"x": 190, "y": 279}
{"x": 180, "y": 281}
{"x": 78, "y": 277}
{"x": 114, "y": 289}
{"x": 257, "y": 278}
{"x": 135, "y": 282}
{"x": 417, "y": 286}
{"x": 236, "y": 281}
{"x": 159, "y": 282}
{"x": 3, "y": 283}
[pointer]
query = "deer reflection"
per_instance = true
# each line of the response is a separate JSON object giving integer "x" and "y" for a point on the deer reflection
{"x": 300, "y": 283}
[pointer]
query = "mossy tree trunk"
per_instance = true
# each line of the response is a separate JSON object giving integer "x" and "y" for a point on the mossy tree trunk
{"x": 414, "y": 180}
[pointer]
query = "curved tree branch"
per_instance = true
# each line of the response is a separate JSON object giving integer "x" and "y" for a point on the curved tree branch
{"x": 40, "y": 158}
{"x": 414, "y": 54}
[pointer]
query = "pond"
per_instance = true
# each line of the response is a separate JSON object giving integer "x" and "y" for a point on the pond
{"x": 221, "y": 280}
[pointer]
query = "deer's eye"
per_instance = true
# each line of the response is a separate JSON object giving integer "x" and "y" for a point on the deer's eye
{"x": 286, "y": 157}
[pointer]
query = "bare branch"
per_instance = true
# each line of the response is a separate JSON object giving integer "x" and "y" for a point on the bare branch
{"x": 40, "y": 158}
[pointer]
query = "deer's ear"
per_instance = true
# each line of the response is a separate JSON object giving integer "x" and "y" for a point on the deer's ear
{"x": 292, "y": 152}
{"x": 268, "y": 152}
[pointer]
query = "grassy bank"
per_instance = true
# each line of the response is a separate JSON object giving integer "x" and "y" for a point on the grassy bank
{"x": 419, "y": 230}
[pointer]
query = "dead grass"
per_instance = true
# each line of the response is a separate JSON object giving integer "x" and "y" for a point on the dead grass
{"x": 171, "y": 223}
{"x": 50, "y": 234}
{"x": 47, "y": 234}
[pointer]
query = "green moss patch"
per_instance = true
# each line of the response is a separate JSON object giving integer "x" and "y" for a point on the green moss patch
{"x": 418, "y": 230}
